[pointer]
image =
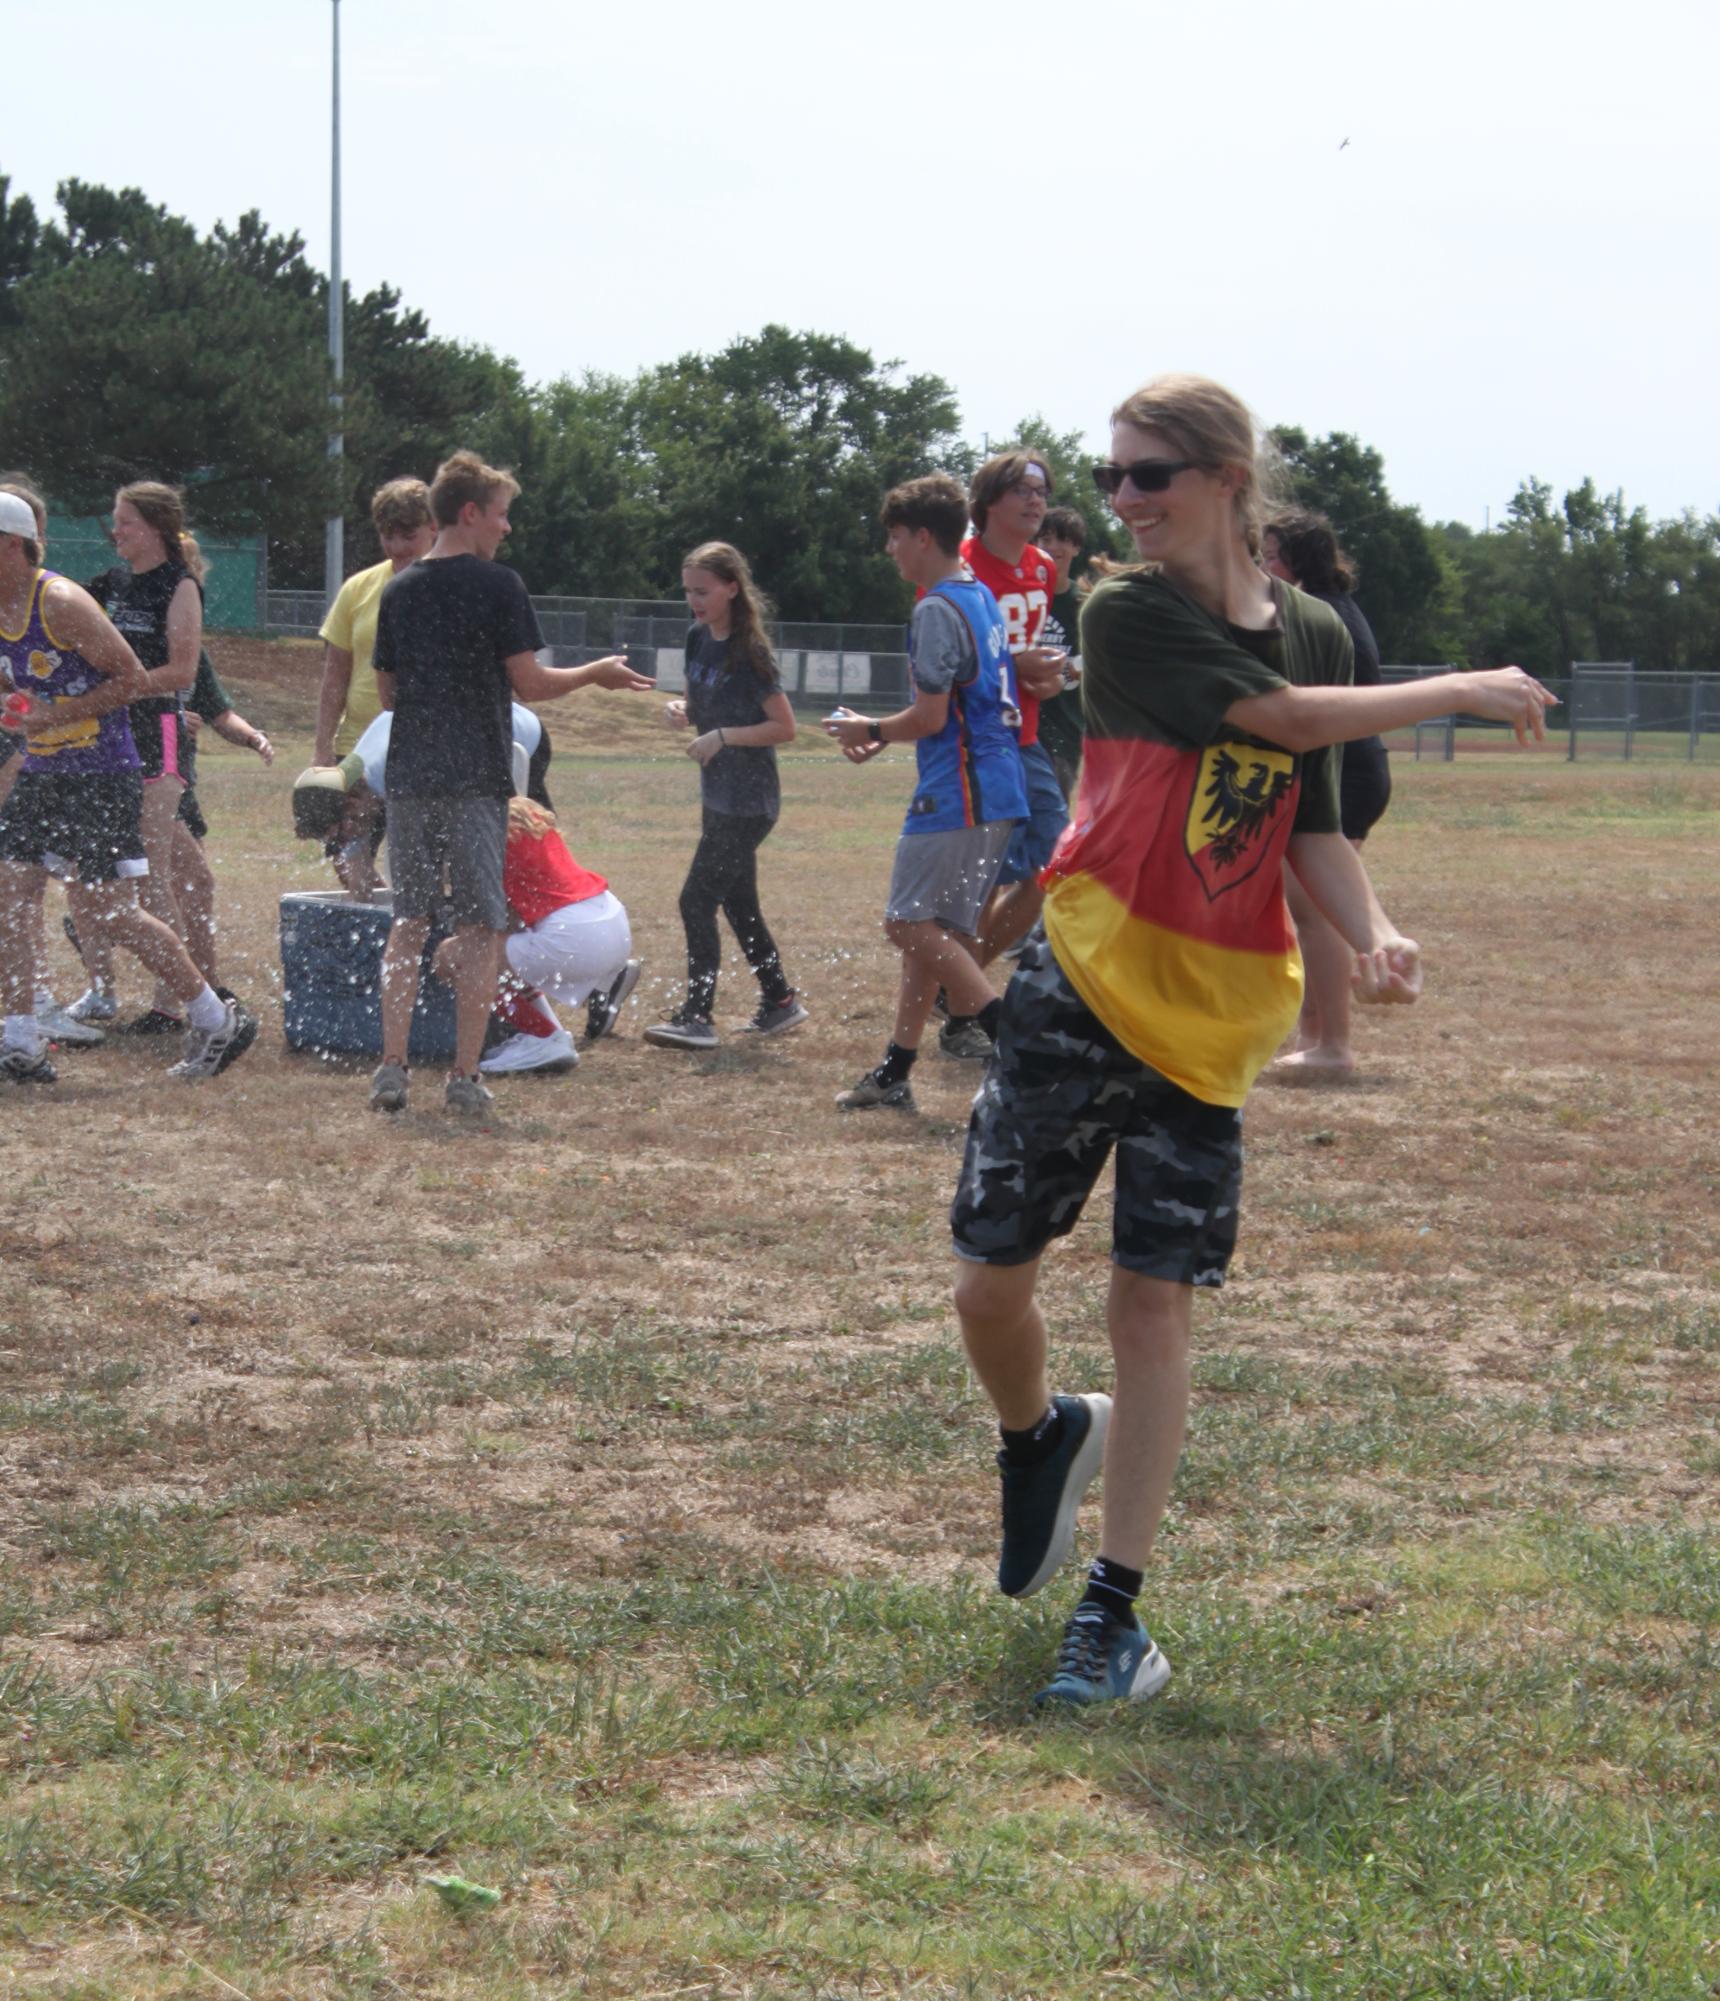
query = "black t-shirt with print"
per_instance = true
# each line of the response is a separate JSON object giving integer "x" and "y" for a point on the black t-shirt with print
{"x": 1060, "y": 728}
{"x": 446, "y": 629}
{"x": 741, "y": 779}
{"x": 138, "y": 606}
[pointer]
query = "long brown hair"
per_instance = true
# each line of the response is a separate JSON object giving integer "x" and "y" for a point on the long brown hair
{"x": 1214, "y": 428}
{"x": 163, "y": 507}
{"x": 751, "y": 610}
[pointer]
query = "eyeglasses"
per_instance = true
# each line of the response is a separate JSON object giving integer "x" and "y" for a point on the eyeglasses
{"x": 1025, "y": 489}
{"x": 1145, "y": 475}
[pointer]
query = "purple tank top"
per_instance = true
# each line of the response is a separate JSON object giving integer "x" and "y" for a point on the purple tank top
{"x": 32, "y": 661}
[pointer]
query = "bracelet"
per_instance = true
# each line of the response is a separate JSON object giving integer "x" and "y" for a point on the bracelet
{"x": 875, "y": 733}
{"x": 722, "y": 741}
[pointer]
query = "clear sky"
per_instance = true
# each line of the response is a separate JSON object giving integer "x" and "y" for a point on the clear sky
{"x": 1509, "y": 270}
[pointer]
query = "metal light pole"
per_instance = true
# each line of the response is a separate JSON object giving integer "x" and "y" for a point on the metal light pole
{"x": 334, "y": 546}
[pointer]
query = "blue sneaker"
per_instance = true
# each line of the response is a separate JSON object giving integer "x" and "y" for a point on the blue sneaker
{"x": 1104, "y": 1660}
{"x": 1040, "y": 1502}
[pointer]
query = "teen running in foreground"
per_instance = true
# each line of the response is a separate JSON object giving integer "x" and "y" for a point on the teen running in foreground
{"x": 1166, "y": 978}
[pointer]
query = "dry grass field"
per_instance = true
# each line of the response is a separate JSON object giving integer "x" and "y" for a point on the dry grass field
{"x": 594, "y": 1505}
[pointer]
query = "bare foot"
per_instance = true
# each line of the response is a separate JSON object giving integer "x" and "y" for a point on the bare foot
{"x": 1316, "y": 1065}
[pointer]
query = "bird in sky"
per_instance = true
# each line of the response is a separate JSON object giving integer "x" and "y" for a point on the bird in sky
{"x": 1342, "y": 144}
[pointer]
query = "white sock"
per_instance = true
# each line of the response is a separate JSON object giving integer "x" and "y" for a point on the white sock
{"x": 44, "y": 999}
{"x": 208, "y": 1010}
{"x": 22, "y": 1031}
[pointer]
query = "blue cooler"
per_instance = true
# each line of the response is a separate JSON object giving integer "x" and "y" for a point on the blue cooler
{"x": 331, "y": 957}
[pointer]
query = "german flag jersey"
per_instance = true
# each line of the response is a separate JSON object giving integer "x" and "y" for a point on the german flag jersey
{"x": 1164, "y": 899}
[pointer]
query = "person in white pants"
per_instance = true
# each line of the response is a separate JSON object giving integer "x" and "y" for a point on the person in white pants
{"x": 573, "y": 946}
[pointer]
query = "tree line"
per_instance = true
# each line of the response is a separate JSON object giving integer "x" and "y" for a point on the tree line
{"x": 133, "y": 346}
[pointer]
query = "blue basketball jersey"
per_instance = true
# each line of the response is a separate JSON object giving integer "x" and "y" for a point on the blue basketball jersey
{"x": 970, "y": 772}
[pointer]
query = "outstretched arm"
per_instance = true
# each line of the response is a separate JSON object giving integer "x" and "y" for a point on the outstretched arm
{"x": 533, "y": 682}
{"x": 1388, "y": 965}
{"x": 1308, "y": 718}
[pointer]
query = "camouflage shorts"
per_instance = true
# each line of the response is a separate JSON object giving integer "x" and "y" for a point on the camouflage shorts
{"x": 1059, "y": 1093}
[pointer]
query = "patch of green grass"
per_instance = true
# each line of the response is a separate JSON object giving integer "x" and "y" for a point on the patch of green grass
{"x": 1474, "y": 1782}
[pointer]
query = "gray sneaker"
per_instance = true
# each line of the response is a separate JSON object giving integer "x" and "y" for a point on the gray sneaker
{"x": 208, "y": 1051}
{"x": 95, "y": 1004}
{"x": 19, "y": 1066}
{"x": 965, "y": 1038}
{"x": 388, "y": 1088}
{"x": 60, "y": 1025}
{"x": 683, "y": 1030}
{"x": 468, "y": 1097}
{"x": 774, "y": 1016}
{"x": 871, "y": 1094}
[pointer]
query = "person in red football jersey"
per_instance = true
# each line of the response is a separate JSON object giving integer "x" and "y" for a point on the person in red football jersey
{"x": 1006, "y": 503}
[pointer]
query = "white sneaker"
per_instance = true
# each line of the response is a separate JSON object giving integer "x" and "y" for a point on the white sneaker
{"x": 208, "y": 1051}
{"x": 95, "y": 1005}
{"x": 548, "y": 1053}
{"x": 60, "y": 1025}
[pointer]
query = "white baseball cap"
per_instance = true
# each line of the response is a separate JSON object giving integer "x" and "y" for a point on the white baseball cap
{"x": 17, "y": 517}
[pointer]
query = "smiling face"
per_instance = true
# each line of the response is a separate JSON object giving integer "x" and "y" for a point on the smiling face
{"x": 488, "y": 525}
{"x": 134, "y": 541}
{"x": 1191, "y": 517}
{"x": 1014, "y": 516}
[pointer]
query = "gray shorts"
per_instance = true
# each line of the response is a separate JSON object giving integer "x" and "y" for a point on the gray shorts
{"x": 946, "y": 878}
{"x": 446, "y": 853}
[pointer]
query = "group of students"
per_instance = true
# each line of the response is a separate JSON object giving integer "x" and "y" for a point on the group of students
{"x": 106, "y": 686}
{"x": 1159, "y": 970}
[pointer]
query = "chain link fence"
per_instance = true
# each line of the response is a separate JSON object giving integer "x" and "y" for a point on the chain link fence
{"x": 820, "y": 664}
{"x": 1607, "y": 708}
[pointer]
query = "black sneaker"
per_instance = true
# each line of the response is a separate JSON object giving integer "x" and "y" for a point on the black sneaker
{"x": 27, "y": 1066}
{"x": 151, "y": 1022}
{"x": 683, "y": 1030}
{"x": 774, "y": 1016}
{"x": 603, "y": 1010}
{"x": 1040, "y": 1502}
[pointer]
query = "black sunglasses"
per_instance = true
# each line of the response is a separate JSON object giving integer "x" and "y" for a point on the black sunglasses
{"x": 1146, "y": 475}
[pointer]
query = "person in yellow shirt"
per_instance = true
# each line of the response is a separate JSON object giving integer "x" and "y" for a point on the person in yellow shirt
{"x": 349, "y": 700}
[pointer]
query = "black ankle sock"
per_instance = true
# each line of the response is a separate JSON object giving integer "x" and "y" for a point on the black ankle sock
{"x": 1036, "y": 1443}
{"x": 1112, "y": 1585}
{"x": 896, "y": 1064}
{"x": 990, "y": 1015}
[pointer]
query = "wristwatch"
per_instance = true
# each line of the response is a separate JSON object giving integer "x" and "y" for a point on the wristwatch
{"x": 875, "y": 732}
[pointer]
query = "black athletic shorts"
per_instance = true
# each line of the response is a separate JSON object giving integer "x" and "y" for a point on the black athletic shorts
{"x": 10, "y": 745}
{"x": 192, "y": 814}
{"x": 1059, "y": 1094}
{"x": 85, "y": 829}
{"x": 1364, "y": 786}
{"x": 159, "y": 734}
